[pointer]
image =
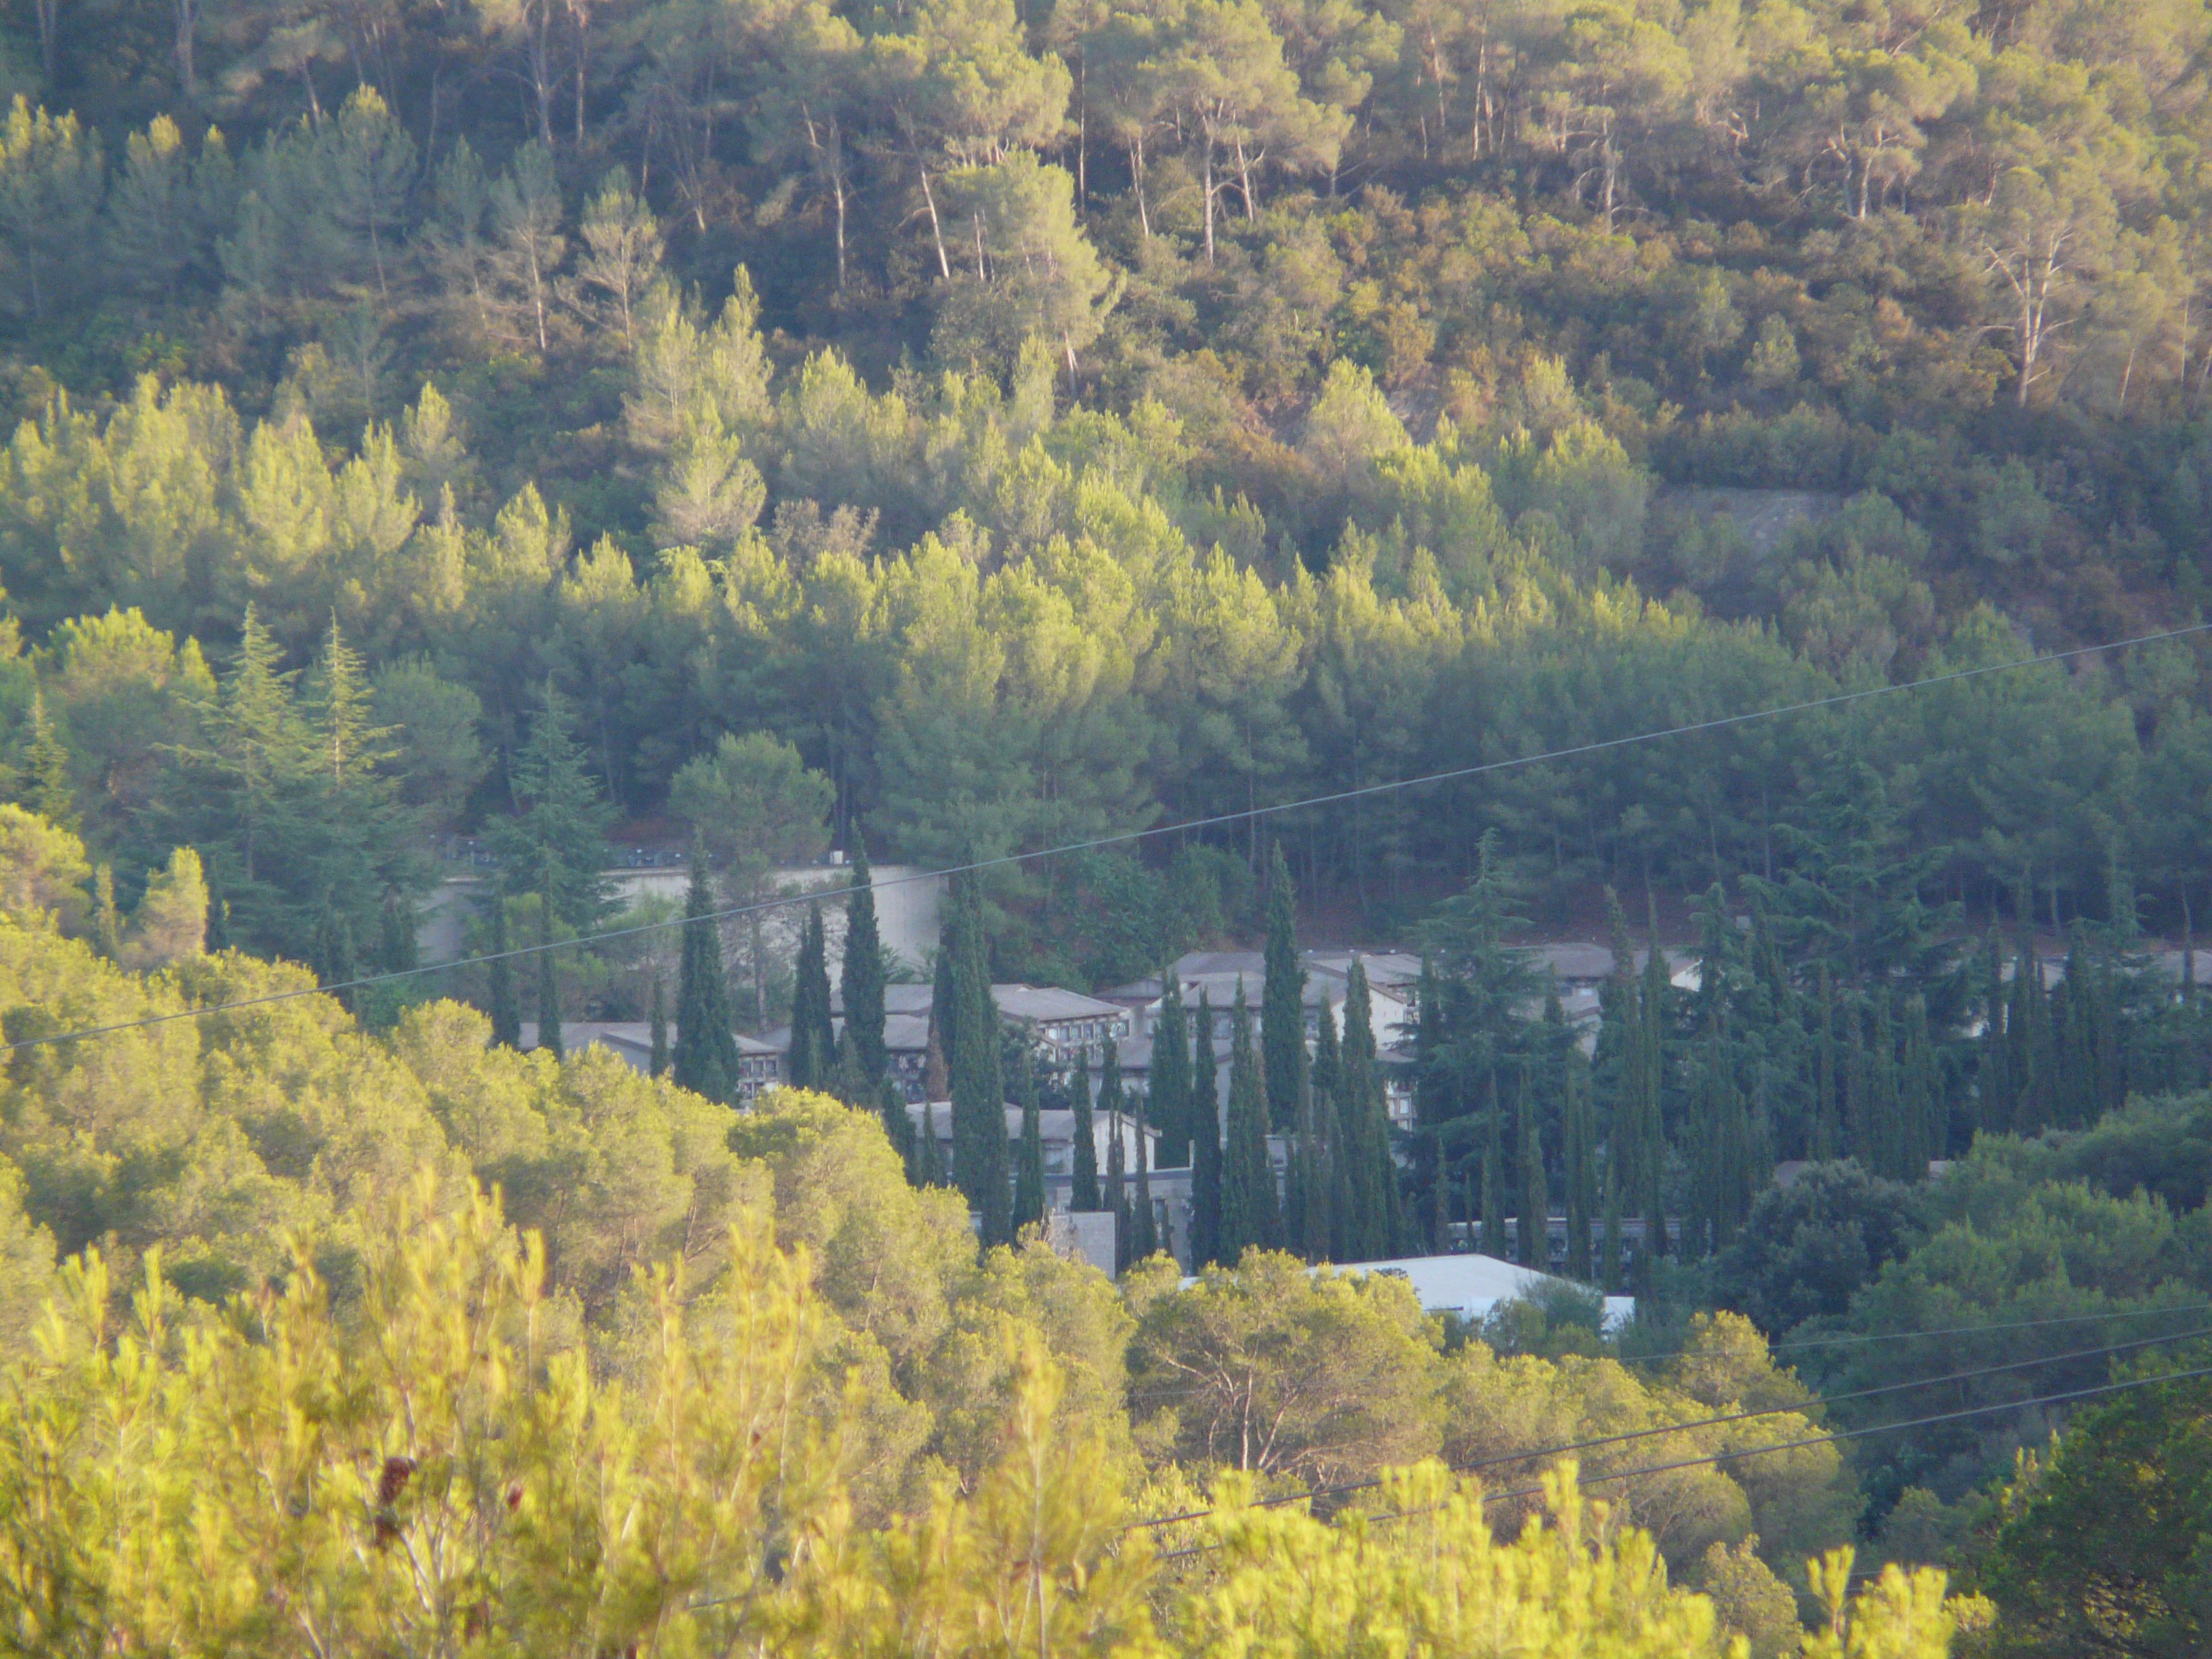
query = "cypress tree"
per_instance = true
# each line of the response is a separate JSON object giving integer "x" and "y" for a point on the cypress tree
{"x": 548, "y": 987}
{"x": 705, "y": 1057}
{"x": 334, "y": 963}
{"x": 1337, "y": 1168}
{"x": 1374, "y": 1224}
{"x": 1535, "y": 1229}
{"x": 860, "y": 975}
{"x": 1282, "y": 999}
{"x": 506, "y": 1009}
{"x": 1205, "y": 1143}
{"x": 1171, "y": 1104}
{"x": 1926, "y": 1120}
{"x": 1249, "y": 1218}
{"x": 1113, "y": 1104}
{"x": 1891, "y": 1153}
{"x": 1493, "y": 1175}
{"x": 1144, "y": 1229}
{"x": 396, "y": 952}
{"x": 898, "y": 1127}
{"x": 1656, "y": 1003}
{"x": 1993, "y": 1083}
{"x": 1430, "y": 1091}
{"x": 1578, "y": 1156}
{"x": 218, "y": 909}
{"x": 943, "y": 1002}
{"x": 979, "y": 1111}
{"x": 1858, "y": 1120}
{"x": 1029, "y": 1169}
{"x": 813, "y": 1031}
{"x": 1306, "y": 1197}
{"x": 931, "y": 1153}
{"x": 1609, "y": 1274}
{"x": 658, "y": 1061}
{"x": 1082, "y": 1152}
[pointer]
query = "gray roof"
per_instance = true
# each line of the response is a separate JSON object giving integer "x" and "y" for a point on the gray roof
{"x": 633, "y": 1038}
{"x": 1043, "y": 1004}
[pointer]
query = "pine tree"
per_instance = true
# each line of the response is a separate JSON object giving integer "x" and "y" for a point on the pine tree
{"x": 396, "y": 948}
{"x": 1282, "y": 999}
{"x": 813, "y": 1032}
{"x": 1534, "y": 1233}
{"x": 1926, "y": 1124}
{"x": 1083, "y": 1186}
{"x": 658, "y": 1063}
{"x": 1028, "y": 1168}
{"x": 1889, "y": 1152}
{"x": 1171, "y": 1104}
{"x": 556, "y": 844}
{"x": 1493, "y": 1173}
{"x": 860, "y": 977}
{"x": 1205, "y": 1143}
{"x": 705, "y": 1058}
{"x": 506, "y": 1009}
{"x": 334, "y": 958}
{"x": 1248, "y": 1216}
{"x": 218, "y": 910}
{"x": 51, "y": 795}
{"x": 979, "y": 1113}
{"x": 1827, "y": 1129}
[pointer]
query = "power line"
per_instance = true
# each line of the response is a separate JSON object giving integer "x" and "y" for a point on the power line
{"x": 1627, "y": 1436}
{"x": 1123, "y": 837}
{"x": 1741, "y": 1452}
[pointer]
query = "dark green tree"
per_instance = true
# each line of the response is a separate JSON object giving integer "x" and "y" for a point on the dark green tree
{"x": 1144, "y": 1224}
{"x": 979, "y": 1095}
{"x": 705, "y": 1059}
{"x": 334, "y": 962}
{"x": 1282, "y": 999}
{"x": 1113, "y": 1108}
{"x": 1029, "y": 1166}
{"x": 657, "y": 1062}
{"x": 396, "y": 947}
{"x": 1082, "y": 1152}
{"x": 813, "y": 1033}
{"x": 1206, "y": 1141}
{"x": 549, "y": 993}
{"x": 1494, "y": 1172}
{"x": 1170, "y": 1101}
{"x": 46, "y": 767}
{"x": 555, "y": 843}
{"x": 1534, "y": 1233}
{"x": 860, "y": 975}
{"x": 1248, "y": 1212}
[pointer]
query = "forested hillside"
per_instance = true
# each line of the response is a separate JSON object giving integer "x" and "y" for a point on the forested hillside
{"x": 1054, "y": 422}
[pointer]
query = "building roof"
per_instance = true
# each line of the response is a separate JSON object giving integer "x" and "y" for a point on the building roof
{"x": 630, "y": 1038}
{"x": 1055, "y": 1124}
{"x": 1045, "y": 1004}
{"x": 1471, "y": 1284}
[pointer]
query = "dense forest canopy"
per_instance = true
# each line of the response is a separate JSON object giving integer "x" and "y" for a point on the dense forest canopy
{"x": 1062, "y": 420}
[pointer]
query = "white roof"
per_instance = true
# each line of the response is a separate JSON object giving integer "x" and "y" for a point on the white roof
{"x": 1472, "y": 1284}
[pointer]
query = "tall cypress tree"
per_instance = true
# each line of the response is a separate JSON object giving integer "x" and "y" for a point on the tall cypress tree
{"x": 1082, "y": 1152}
{"x": 860, "y": 975}
{"x": 1889, "y": 1151}
{"x": 1249, "y": 1215}
{"x": 1144, "y": 1226}
{"x": 1494, "y": 1172}
{"x": 979, "y": 1112}
{"x": 705, "y": 1059}
{"x": 1282, "y": 999}
{"x": 1534, "y": 1233}
{"x": 1205, "y": 1143}
{"x": 929, "y": 1153}
{"x": 943, "y": 1002}
{"x": 1657, "y": 1003}
{"x": 1371, "y": 1230}
{"x": 1338, "y": 1166}
{"x": 334, "y": 961}
{"x": 1578, "y": 1155}
{"x": 898, "y": 1127}
{"x": 1993, "y": 1084}
{"x": 658, "y": 1061}
{"x": 1306, "y": 1190}
{"x": 813, "y": 1032}
{"x": 1171, "y": 1104}
{"x": 506, "y": 1009}
{"x": 397, "y": 950}
{"x": 1432, "y": 1093}
{"x": 1113, "y": 1104}
{"x": 1028, "y": 1168}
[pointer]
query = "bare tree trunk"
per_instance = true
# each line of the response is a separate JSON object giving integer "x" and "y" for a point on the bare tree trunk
{"x": 1209, "y": 200}
{"x": 1136, "y": 178}
{"x": 188, "y": 23}
{"x": 49, "y": 13}
{"x": 936, "y": 229}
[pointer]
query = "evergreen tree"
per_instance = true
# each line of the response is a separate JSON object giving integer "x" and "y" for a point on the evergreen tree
{"x": 1306, "y": 1219}
{"x": 931, "y": 1151}
{"x": 1205, "y": 1143}
{"x": 1113, "y": 1104}
{"x": 1493, "y": 1173}
{"x": 705, "y": 1058}
{"x": 979, "y": 1120}
{"x": 556, "y": 843}
{"x": 396, "y": 952}
{"x": 1655, "y": 1001}
{"x": 1083, "y": 1186}
{"x": 899, "y": 1128}
{"x": 46, "y": 763}
{"x": 860, "y": 977}
{"x": 1610, "y": 1266}
{"x": 1889, "y": 1151}
{"x": 1432, "y": 1097}
{"x": 1282, "y": 999}
{"x": 658, "y": 1063}
{"x": 1534, "y": 1234}
{"x": 218, "y": 910}
{"x": 506, "y": 1008}
{"x": 944, "y": 1005}
{"x": 1826, "y": 1139}
{"x": 813, "y": 1033}
{"x": 1028, "y": 1168}
{"x": 334, "y": 958}
{"x": 1577, "y": 1154}
{"x": 1144, "y": 1229}
{"x": 1926, "y": 1126}
{"x": 1372, "y": 1224}
{"x": 1248, "y": 1214}
{"x": 1171, "y": 1107}
{"x": 1993, "y": 1083}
